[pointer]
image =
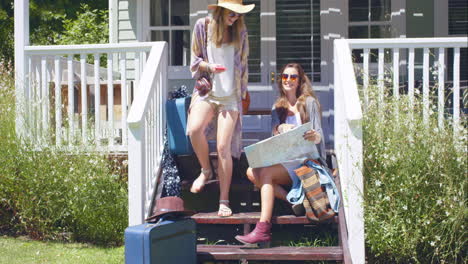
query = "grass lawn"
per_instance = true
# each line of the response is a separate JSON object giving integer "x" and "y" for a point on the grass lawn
{"x": 24, "y": 251}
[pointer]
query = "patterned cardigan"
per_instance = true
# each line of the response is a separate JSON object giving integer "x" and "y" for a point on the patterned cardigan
{"x": 199, "y": 54}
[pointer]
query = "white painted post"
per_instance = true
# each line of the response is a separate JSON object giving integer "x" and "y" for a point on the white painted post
{"x": 381, "y": 76}
{"x": 348, "y": 147}
{"x": 71, "y": 101}
{"x": 456, "y": 90}
{"x": 136, "y": 169}
{"x": 110, "y": 100}
{"x": 21, "y": 13}
{"x": 366, "y": 77}
{"x": 97, "y": 101}
{"x": 441, "y": 87}
{"x": 123, "y": 92}
{"x": 44, "y": 100}
{"x": 396, "y": 72}
{"x": 84, "y": 100}
{"x": 411, "y": 76}
{"x": 58, "y": 101}
{"x": 426, "y": 85}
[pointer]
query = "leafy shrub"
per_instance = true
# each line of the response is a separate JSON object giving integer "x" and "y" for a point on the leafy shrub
{"x": 415, "y": 185}
{"x": 55, "y": 194}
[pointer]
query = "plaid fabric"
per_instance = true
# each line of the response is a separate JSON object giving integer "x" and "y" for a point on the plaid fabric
{"x": 316, "y": 204}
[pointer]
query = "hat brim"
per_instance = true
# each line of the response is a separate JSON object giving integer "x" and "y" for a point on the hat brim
{"x": 238, "y": 8}
{"x": 159, "y": 214}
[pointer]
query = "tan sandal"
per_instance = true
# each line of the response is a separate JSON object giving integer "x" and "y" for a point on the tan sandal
{"x": 199, "y": 183}
{"x": 224, "y": 210}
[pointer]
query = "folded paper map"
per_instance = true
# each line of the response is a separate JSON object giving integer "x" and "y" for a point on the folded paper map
{"x": 282, "y": 147}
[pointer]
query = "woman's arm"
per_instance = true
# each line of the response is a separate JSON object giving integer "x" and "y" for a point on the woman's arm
{"x": 275, "y": 122}
{"x": 244, "y": 63}
{"x": 199, "y": 62}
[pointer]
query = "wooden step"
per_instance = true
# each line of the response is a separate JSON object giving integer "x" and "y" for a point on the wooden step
{"x": 250, "y": 218}
{"x": 235, "y": 252}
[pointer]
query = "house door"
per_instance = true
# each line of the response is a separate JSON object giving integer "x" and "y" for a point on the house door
{"x": 280, "y": 32}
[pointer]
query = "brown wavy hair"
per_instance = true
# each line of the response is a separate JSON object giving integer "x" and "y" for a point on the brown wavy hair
{"x": 303, "y": 91}
{"x": 217, "y": 28}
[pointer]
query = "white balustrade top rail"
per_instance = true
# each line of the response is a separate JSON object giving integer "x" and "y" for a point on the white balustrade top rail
{"x": 348, "y": 110}
{"x": 95, "y": 114}
{"x": 147, "y": 122}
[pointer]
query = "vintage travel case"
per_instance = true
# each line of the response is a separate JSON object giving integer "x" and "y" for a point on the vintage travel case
{"x": 166, "y": 242}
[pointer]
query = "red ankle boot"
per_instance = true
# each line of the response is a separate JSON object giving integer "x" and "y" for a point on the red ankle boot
{"x": 259, "y": 237}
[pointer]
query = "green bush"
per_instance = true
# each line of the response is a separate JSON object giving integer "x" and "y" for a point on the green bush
{"x": 56, "y": 194}
{"x": 415, "y": 179}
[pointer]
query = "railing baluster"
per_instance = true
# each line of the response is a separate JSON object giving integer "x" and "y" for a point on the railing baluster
{"x": 426, "y": 85}
{"x": 456, "y": 90}
{"x": 366, "y": 76}
{"x": 110, "y": 99}
{"x": 381, "y": 75}
{"x": 37, "y": 102}
{"x": 441, "y": 87}
{"x": 97, "y": 100}
{"x": 44, "y": 98}
{"x": 58, "y": 101}
{"x": 30, "y": 103}
{"x": 124, "y": 94}
{"x": 84, "y": 102}
{"x": 411, "y": 76}
{"x": 71, "y": 100}
{"x": 137, "y": 71}
{"x": 396, "y": 72}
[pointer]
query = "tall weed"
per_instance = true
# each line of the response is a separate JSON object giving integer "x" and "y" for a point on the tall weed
{"x": 415, "y": 185}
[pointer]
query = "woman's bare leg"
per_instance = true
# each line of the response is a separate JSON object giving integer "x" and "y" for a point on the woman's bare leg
{"x": 279, "y": 191}
{"x": 226, "y": 124}
{"x": 199, "y": 117}
{"x": 268, "y": 177}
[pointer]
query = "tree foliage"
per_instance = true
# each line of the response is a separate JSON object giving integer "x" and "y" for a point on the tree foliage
{"x": 54, "y": 22}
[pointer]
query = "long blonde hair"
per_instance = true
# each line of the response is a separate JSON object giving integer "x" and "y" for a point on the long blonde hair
{"x": 217, "y": 28}
{"x": 303, "y": 91}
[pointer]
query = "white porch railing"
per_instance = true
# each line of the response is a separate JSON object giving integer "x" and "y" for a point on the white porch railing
{"x": 348, "y": 114}
{"x": 147, "y": 119}
{"x": 59, "y": 92}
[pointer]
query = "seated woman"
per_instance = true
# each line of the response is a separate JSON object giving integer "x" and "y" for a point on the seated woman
{"x": 296, "y": 105}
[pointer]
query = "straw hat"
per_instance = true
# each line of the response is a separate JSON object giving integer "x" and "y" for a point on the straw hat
{"x": 233, "y": 5}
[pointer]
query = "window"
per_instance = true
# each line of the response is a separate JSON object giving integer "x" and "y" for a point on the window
{"x": 298, "y": 35}
{"x": 169, "y": 21}
{"x": 458, "y": 17}
{"x": 280, "y": 32}
{"x": 369, "y": 19}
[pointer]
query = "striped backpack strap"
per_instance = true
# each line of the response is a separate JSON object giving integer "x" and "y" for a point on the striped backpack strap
{"x": 316, "y": 203}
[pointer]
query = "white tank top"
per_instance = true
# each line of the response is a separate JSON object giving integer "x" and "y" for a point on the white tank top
{"x": 223, "y": 83}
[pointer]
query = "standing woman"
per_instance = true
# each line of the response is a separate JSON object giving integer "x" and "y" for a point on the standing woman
{"x": 296, "y": 105}
{"x": 219, "y": 49}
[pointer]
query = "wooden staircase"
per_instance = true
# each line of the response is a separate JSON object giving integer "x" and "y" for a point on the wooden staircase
{"x": 245, "y": 203}
{"x": 246, "y": 214}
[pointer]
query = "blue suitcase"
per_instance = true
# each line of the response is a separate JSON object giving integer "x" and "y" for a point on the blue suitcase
{"x": 167, "y": 242}
{"x": 176, "y": 113}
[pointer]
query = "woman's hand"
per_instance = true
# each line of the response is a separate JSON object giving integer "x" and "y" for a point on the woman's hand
{"x": 285, "y": 128}
{"x": 216, "y": 68}
{"x": 313, "y": 135}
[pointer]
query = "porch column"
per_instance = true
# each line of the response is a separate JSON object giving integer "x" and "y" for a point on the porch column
{"x": 21, "y": 66}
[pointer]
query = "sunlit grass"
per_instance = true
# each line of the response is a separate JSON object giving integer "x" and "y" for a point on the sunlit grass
{"x": 25, "y": 251}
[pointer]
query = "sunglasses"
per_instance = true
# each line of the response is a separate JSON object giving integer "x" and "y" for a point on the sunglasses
{"x": 234, "y": 14}
{"x": 291, "y": 77}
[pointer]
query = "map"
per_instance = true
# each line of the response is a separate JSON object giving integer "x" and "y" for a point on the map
{"x": 282, "y": 147}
